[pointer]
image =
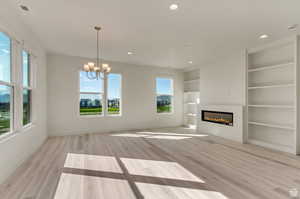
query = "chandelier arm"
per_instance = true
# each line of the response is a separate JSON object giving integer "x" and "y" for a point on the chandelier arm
{"x": 97, "y": 76}
{"x": 90, "y": 76}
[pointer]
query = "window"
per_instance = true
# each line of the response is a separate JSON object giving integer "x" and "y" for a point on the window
{"x": 91, "y": 95}
{"x": 164, "y": 95}
{"x": 15, "y": 85}
{"x": 114, "y": 94}
{"x": 6, "y": 88}
{"x": 27, "y": 89}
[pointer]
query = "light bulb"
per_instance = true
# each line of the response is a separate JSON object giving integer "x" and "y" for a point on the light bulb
{"x": 108, "y": 69}
{"x": 96, "y": 68}
{"x": 105, "y": 66}
{"x": 86, "y": 68}
{"x": 91, "y": 66}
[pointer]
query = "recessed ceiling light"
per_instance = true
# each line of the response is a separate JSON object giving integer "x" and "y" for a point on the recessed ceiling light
{"x": 264, "y": 36}
{"x": 129, "y": 53}
{"x": 25, "y": 8}
{"x": 190, "y": 62}
{"x": 174, "y": 6}
{"x": 293, "y": 27}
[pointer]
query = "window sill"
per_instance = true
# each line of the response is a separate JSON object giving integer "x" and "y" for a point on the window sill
{"x": 90, "y": 116}
{"x": 114, "y": 115}
{"x": 9, "y": 135}
{"x": 27, "y": 127}
{"x": 165, "y": 113}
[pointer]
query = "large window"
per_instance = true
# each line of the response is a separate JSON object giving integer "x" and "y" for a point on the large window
{"x": 6, "y": 88}
{"x": 164, "y": 95}
{"x": 114, "y": 94}
{"x": 91, "y": 95}
{"x": 15, "y": 85}
{"x": 27, "y": 89}
{"x": 96, "y": 99}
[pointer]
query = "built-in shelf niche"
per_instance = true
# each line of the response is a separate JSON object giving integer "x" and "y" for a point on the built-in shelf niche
{"x": 272, "y": 116}
{"x": 272, "y": 95}
{"x": 191, "y": 97}
{"x": 272, "y": 137}
{"x": 276, "y": 95}
{"x": 273, "y": 77}
{"x": 272, "y": 55}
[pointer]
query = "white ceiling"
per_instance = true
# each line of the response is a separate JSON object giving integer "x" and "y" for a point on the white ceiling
{"x": 200, "y": 30}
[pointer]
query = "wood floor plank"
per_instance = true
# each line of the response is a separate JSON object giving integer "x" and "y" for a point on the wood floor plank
{"x": 152, "y": 164}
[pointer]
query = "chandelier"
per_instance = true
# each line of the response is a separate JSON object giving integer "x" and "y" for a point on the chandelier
{"x": 96, "y": 70}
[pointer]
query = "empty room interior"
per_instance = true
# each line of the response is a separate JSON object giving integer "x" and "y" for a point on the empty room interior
{"x": 136, "y": 99}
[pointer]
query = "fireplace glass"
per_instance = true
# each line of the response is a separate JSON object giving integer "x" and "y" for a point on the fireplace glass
{"x": 225, "y": 118}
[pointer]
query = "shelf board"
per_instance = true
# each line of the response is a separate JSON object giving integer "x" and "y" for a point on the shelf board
{"x": 191, "y": 92}
{"x": 270, "y": 67}
{"x": 191, "y": 114}
{"x": 270, "y": 106}
{"x": 190, "y": 103}
{"x": 271, "y": 86}
{"x": 272, "y": 125}
{"x": 280, "y": 147}
{"x": 191, "y": 81}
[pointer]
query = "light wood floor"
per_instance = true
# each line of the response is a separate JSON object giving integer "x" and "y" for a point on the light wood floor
{"x": 152, "y": 164}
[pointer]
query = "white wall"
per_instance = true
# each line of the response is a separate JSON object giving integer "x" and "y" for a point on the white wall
{"x": 17, "y": 148}
{"x": 138, "y": 98}
{"x": 223, "y": 81}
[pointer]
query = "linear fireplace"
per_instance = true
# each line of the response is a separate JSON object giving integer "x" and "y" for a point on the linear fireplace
{"x": 225, "y": 118}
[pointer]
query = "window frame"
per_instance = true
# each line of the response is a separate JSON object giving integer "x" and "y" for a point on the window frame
{"x": 29, "y": 87}
{"x": 106, "y": 97}
{"x": 90, "y": 93}
{"x": 173, "y": 94}
{"x": 15, "y": 84}
{"x": 12, "y": 86}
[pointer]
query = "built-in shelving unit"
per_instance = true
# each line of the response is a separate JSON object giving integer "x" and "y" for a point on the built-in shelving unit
{"x": 280, "y": 126}
{"x": 191, "y": 97}
{"x": 271, "y": 106}
{"x": 271, "y": 86}
{"x": 270, "y": 67}
{"x": 272, "y": 96}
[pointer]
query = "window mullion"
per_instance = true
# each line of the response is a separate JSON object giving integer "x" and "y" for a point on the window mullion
{"x": 104, "y": 104}
{"x": 17, "y": 89}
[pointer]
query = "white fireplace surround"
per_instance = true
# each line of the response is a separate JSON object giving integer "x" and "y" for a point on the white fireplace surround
{"x": 235, "y": 132}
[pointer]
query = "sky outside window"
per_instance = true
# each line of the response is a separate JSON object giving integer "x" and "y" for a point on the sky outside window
{"x": 5, "y": 61}
{"x": 164, "y": 86}
{"x": 25, "y": 57}
{"x": 114, "y": 86}
{"x": 87, "y": 85}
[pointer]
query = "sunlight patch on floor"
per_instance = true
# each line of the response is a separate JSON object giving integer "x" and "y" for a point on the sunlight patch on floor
{"x": 92, "y": 162}
{"x": 161, "y": 169}
{"x": 73, "y": 186}
{"x": 153, "y": 136}
{"x": 128, "y": 135}
{"x": 154, "y": 191}
{"x": 167, "y": 137}
{"x": 173, "y": 134}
